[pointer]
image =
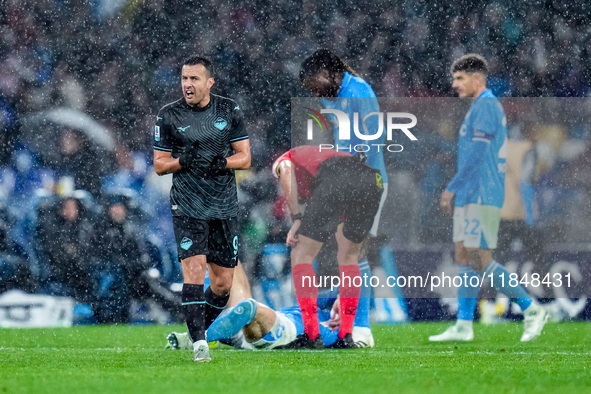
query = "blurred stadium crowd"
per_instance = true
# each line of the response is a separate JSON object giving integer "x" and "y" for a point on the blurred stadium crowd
{"x": 118, "y": 61}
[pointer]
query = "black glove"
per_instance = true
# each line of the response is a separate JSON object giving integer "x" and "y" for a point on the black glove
{"x": 218, "y": 165}
{"x": 189, "y": 156}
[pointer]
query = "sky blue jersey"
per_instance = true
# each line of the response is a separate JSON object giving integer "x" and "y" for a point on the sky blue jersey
{"x": 365, "y": 103}
{"x": 482, "y": 154}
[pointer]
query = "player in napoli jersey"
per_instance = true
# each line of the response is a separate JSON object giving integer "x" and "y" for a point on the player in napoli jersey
{"x": 477, "y": 192}
{"x": 340, "y": 88}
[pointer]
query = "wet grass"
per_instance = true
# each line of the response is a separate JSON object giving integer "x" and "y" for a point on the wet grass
{"x": 115, "y": 359}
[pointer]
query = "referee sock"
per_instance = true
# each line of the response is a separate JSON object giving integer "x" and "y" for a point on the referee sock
{"x": 214, "y": 305}
{"x": 501, "y": 280}
{"x": 349, "y": 295}
{"x": 467, "y": 294}
{"x": 193, "y": 301}
{"x": 304, "y": 277}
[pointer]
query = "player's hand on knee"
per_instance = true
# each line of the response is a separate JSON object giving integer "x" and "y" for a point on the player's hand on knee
{"x": 292, "y": 235}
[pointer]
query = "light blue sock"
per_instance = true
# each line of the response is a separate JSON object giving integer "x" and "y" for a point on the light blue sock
{"x": 467, "y": 294}
{"x": 499, "y": 278}
{"x": 362, "y": 315}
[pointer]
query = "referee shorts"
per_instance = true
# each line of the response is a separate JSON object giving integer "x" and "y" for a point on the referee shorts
{"x": 216, "y": 238}
{"x": 343, "y": 186}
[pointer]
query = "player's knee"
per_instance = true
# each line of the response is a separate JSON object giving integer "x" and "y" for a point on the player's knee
{"x": 193, "y": 269}
{"x": 461, "y": 255}
{"x": 221, "y": 286}
{"x": 304, "y": 255}
{"x": 475, "y": 260}
{"x": 223, "y": 289}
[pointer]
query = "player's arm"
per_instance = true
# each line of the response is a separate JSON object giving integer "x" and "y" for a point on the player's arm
{"x": 483, "y": 131}
{"x": 471, "y": 165}
{"x": 464, "y": 173}
{"x": 239, "y": 141}
{"x": 288, "y": 181}
{"x": 240, "y": 160}
{"x": 164, "y": 163}
{"x": 445, "y": 202}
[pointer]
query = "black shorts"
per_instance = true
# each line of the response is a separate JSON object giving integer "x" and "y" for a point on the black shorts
{"x": 216, "y": 238}
{"x": 343, "y": 187}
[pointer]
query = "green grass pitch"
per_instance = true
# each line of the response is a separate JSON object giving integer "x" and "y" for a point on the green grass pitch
{"x": 132, "y": 359}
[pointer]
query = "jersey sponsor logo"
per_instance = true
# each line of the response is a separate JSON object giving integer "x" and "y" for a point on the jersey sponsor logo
{"x": 157, "y": 133}
{"x": 182, "y": 129}
{"x": 220, "y": 123}
{"x": 186, "y": 243}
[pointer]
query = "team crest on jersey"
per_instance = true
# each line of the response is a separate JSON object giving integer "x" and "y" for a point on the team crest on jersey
{"x": 186, "y": 243}
{"x": 220, "y": 123}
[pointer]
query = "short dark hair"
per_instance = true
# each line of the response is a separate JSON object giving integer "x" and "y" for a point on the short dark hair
{"x": 470, "y": 63}
{"x": 323, "y": 59}
{"x": 195, "y": 60}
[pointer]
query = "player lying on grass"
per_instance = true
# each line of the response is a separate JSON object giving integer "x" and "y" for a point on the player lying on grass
{"x": 248, "y": 324}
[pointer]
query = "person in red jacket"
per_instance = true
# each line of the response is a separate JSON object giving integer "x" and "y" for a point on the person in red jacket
{"x": 342, "y": 195}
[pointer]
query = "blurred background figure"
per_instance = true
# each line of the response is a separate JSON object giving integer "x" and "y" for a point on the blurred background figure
{"x": 15, "y": 272}
{"x": 64, "y": 237}
{"x": 518, "y": 232}
{"x": 124, "y": 268}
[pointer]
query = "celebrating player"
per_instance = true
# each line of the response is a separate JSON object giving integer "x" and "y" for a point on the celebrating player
{"x": 200, "y": 138}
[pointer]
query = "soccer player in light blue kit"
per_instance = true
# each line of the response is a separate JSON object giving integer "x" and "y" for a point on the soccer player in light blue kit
{"x": 329, "y": 77}
{"x": 477, "y": 191}
{"x": 340, "y": 88}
